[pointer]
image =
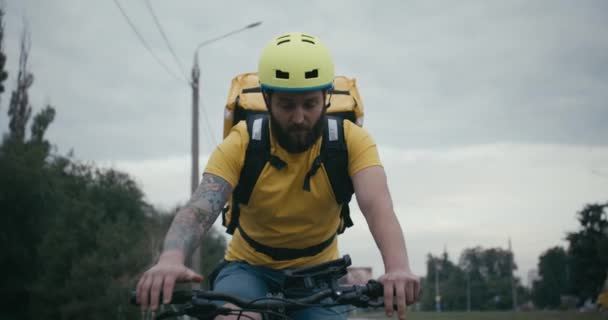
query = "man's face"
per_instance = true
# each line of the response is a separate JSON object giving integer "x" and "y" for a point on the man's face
{"x": 296, "y": 118}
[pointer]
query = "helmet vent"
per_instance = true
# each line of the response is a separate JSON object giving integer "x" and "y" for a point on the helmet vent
{"x": 309, "y": 41}
{"x": 283, "y": 41}
{"x": 311, "y": 74}
{"x": 281, "y": 74}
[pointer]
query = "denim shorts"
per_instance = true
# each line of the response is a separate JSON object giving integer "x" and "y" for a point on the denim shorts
{"x": 251, "y": 282}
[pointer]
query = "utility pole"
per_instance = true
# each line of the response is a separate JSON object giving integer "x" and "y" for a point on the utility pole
{"x": 194, "y": 84}
{"x": 195, "y": 102}
{"x": 196, "y": 256}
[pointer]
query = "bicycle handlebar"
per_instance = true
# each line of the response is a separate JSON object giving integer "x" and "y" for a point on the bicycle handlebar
{"x": 321, "y": 279}
{"x": 201, "y": 303}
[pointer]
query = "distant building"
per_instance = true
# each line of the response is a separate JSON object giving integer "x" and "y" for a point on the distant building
{"x": 532, "y": 276}
{"x": 357, "y": 276}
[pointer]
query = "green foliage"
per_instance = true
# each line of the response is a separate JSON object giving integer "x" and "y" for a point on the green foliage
{"x": 92, "y": 244}
{"x": 75, "y": 237}
{"x": 3, "y": 73}
{"x": 20, "y": 109}
{"x": 553, "y": 282}
{"x": 449, "y": 279}
{"x": 491, "y": 275}
{"x": 41, "y": 122}
{"x": 588, "y": 251}
{"x": 212, "y": 250}
{"x": 24, "y": 195}
{"x": 484, "y": 274}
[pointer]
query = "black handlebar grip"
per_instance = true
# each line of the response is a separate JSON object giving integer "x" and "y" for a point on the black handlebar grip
{"x": 133, "y": 298}
{"x": 375, "y": 289}
{"x": 178, "y": 296}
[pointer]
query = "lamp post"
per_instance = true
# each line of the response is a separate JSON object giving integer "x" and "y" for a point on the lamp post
{"x": 195, "y": 74}
{"x": 196, "y": 256}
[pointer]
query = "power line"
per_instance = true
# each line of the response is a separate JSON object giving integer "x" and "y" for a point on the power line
{"x": 210, "y": 135}
{"x": 145, "y": 44}
{"x": 167, "y": 42}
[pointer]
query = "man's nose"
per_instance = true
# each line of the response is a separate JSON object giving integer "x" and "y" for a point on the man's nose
{"x": 298, "y": 115}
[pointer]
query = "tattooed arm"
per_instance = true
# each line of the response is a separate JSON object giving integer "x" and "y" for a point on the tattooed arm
{"x": 194, "y": 220}
{"x": 189, "y": 226}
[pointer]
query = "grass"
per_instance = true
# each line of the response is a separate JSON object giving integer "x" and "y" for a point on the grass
{"x": 541, "y": 315}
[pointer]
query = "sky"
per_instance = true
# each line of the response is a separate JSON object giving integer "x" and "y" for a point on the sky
{"x": 490, "y": 116}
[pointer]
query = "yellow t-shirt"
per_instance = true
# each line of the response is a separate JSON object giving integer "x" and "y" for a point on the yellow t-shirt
{"x": 280, "y": 213}
{"x": 602, "y": 300}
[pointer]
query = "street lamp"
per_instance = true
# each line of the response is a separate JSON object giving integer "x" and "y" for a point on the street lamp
{"x": 196, "y": 256}
{"x": 195, "y": 101}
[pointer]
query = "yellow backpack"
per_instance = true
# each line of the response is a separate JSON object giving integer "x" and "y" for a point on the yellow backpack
{"x": 245, "y": 98}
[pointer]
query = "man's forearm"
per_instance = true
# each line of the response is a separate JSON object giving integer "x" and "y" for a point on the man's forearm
{"x": 375, "y": 202}
{"x": 185, "y": 232}
{"x": 390, "y": 241}
{"x": 196, "y": 218}
{"x": 387, "y": 233}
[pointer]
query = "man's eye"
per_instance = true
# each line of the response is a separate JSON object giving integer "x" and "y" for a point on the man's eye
{"x": 286, "y": 106}
{"x": 310, "y": 105}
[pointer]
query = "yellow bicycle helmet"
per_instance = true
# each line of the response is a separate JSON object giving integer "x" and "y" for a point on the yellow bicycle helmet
{"x": 295, "y": 62}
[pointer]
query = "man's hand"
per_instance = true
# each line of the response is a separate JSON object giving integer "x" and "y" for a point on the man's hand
{"x": 169, "y": 270}
{"x": 403, "y": 286}
{"x": 188, "y": 228}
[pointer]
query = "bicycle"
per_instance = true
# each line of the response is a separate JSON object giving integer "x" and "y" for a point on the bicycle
{"x": 323, "y": 279}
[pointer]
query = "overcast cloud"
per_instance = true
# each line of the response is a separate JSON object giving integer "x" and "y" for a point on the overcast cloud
{"x": 490, "y": 115}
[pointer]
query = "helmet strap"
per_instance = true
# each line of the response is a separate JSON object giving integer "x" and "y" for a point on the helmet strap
{"x": 330, "y": 91}
{"x": 267, "y": 95}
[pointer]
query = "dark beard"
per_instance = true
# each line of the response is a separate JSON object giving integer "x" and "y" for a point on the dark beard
{"x": 292, "y": 145}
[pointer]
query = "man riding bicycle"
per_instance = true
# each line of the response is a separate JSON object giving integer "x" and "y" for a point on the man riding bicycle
{"x": 284, "y": 225}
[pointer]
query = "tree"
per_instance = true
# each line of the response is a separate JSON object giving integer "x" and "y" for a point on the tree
{"x": 489, "y": 272}
{"x": 74, "y": 237}
{"x": 41, "y": 122}
{"x": 448, "y": 279}
{"x": 212, "y": 252}
{"x": 20, "y": 109}
{"x": 3, "y": 73}
{"x": 453, "y": 286}
{"x": 429, "y": 293}
{"x": 553, "y": 282}
{"x": 97, "y": 243}
{"x": 25, "y": 197}
{"x": 587, "y": 249}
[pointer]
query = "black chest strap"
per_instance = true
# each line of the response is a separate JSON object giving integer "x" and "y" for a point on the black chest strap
{"x": 281, "y": 254}
{"x": 333, "y": 156}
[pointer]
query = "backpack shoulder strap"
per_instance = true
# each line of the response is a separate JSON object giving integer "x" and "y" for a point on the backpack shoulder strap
{"x": 256, "y": 156}
{"x": 335, "y": 158}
